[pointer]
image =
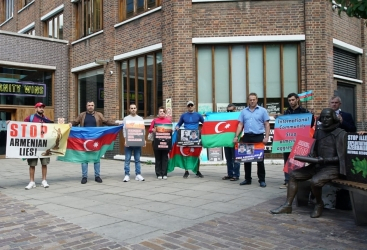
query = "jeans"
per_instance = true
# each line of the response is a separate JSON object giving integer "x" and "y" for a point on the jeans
{"x": 233, "y": 167}
{"x": 286, "y": 175}
{"x": 97, "y": 169}
{"x": 249, "y": 138}
{"x": 128, "y": 153}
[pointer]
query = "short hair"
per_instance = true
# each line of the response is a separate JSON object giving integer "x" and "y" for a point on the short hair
{"x": 231, "y": 105}
{"x": 252, "y": 94}
{"x": 336, "y": 97}
{"x": 293, "y": 94}
{"x": 161, "y": 107}
{"x": 193, "y": 131}
{"x": 132, "y": 104}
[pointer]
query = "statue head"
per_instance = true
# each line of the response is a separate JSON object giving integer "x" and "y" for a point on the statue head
{"x": 328, "y": 118}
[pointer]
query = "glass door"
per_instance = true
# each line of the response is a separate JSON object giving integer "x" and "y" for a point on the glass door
{"x": 4, "y": 116}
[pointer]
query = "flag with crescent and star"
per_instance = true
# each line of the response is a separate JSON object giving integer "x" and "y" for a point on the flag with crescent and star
{"x": 88, "y": 144}
{"x": 183, "y": 157}
{"x": 219, "y": 129}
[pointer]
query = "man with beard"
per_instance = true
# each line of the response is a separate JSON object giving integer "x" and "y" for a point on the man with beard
{"x": 327, "y": 161}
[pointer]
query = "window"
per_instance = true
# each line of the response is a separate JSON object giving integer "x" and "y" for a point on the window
{"x": 345, "y": 63}
{"x": 22, "y": 86}
{"x": 22, "y": 3}
{"x": 142, "y": 84}
{"x": 91, "y": 89}
{"x": 89, "y": 16}
{"x": 54, "y": 27}
{"x": 6, "y": 7}
{"x": 31, "y": 32}
{"x": 131, "y": 8}
{"x": 227, "y": 74}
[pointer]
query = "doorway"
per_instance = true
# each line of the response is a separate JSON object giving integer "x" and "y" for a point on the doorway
{"x": 347, "y": 93}
{"x": 5, "y": 115}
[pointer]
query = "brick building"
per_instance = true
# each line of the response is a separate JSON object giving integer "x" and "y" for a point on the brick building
{"x": 118, "y": 52}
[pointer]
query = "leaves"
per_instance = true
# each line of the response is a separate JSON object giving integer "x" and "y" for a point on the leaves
{"x": 359, "y": 166}
{"x": 353, "y": 8}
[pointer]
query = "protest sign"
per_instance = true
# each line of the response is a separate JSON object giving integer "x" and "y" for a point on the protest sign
{"x": 302, "y": 147}
{"x": 163, "y": 136}
{"x": 249, "y": 152}
{"x": 135, "y": 131}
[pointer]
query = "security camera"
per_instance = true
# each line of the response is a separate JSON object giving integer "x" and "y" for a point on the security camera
{"x": 334, "y": 7}
{"x": 99, "y": 61}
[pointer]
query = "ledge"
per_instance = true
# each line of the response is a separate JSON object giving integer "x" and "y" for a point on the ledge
{"x": 348, "y": 79}
{"x": 34, "y": 37}
{"x": 137, "y": 17}
{"x": 25, "y": 6}
{"x": 87, "y": 37}
{"x": 6, "y": 21}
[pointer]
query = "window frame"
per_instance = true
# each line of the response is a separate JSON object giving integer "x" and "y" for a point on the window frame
{"x": 80, "y": 18}
{"x": 6, "y": 8}
{"x": 23, "y": 3}
{"x": 46, "y": 26}
{"x": 123, "y": 9}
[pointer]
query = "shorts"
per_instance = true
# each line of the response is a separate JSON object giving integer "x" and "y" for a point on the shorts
{"x": 34, "y": 161}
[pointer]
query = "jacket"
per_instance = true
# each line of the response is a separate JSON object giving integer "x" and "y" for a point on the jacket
{"x": 100, "y": 120}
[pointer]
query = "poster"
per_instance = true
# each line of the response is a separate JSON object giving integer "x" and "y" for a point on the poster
{"x": 249, "y": 152}
{"x": 356, "y": 157}
{"x": 135, "y": 131}
{"x": 215, "y": 154}
{"x": 302, "y": 147}
{"x": 286, "y": 129}
{"x": 189, "y": 137}
{"x": 205, "y": 108}
{"x": 163, "y": 136}
{"x": 273, "y": 107}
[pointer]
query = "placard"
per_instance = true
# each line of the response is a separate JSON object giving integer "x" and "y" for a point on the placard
{"x": 249, "y": 152}
{"x": 189, "y": 137}
{"x": 356, "y": 157}
{"x": 135, "y": 131}
{"x": 215, "y": 154}
{"x": 302, "y": 147}
{"x": 163, "y": 136}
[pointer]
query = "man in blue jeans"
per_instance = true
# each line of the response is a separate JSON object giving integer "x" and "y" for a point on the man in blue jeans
{"x": 129, "y": 150}
{"x": 233, "y": 167}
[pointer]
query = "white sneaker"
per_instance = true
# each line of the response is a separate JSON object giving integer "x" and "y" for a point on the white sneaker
{"x": 164, "y": 177}
{"x": 31, "y": 185}
{"x": 126, "y": 179}
{"x": 139, "y": 178}
{"x": 159, "y": 177}
{"x": 45, "y": 184}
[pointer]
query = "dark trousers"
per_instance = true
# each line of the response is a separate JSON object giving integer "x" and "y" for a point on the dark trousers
{"x": 249, "y": 138}
{"x": 286, "y": 175}
{"x": 161, "y": 162}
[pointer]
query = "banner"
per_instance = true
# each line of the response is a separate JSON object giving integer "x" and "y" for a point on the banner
{"x": 36, "y": 140}
{"x": 189, "y": 138}
{"x": 249, "y": 152}
{"x": 356, "y": 157}
{"x": 302, "y": 146}
{"x": 286, "y": 129}
{"x": 163, "y": 136}
{"x": 135, "y": 131}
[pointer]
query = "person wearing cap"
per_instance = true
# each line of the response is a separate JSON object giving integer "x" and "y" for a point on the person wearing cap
{"x": 39, "y": 117}
{"x": 91, "y": 118}
{"x": 190, "y": 120}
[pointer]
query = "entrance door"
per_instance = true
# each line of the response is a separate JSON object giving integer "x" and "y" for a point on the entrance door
{"x": 346, "y": 93}
{"x": 4, "y": 116}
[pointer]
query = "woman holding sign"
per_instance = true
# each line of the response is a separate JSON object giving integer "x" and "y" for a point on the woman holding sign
{"x": 161, "y": 155}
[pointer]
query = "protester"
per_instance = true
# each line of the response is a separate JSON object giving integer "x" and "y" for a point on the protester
{"x": 191, "y": 120}
{"x": 91, "y": 118}
{"x": 346, "y": 121}
{"x": 294, "y": 108}
{"x": 161, "y": 156}
{"x": 233, "y": 167}
{"x": 327, "y": 161}
{"x": 254, "y": 120}
{"x": 38, "y": 117}
{"x": 129, "y": 149}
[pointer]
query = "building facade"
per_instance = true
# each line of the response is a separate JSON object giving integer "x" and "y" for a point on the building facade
{"x": 213, "y": 52}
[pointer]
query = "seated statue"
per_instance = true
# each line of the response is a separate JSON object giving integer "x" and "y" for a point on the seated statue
{"x": 327, "y": 160}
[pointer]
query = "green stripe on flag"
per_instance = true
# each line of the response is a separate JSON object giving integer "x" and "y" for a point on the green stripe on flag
{"x": 85, "y": 156}
{"x": 218, "y": 140}
{"x": 180, "y": 161}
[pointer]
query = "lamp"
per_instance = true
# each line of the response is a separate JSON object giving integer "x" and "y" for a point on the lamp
{"x": 103, "y": 62}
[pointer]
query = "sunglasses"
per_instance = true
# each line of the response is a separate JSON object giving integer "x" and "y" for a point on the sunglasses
{"x": 230, "y": 110}
{"x": 190, "y": 105}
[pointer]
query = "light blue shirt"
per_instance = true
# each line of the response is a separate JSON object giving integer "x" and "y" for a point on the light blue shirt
{"x": 254, "y": 121}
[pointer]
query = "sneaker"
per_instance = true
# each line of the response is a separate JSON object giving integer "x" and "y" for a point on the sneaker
{"x": 84, "y": 180}
{"x": 159, "y": 177}
{"x": 262, "y": 184}
{"x": 126, "y": 179}
{"x": 31, "y": 185}
{"x": 139, "y": 178}
{"x": 164, "y": 177}
{"x": 98, "y": 179}
{"x": 285, "y": 185}
{"x": 186, "y": 175}
{"x": 198, "y": 174}
{"x": 45, "y": 184}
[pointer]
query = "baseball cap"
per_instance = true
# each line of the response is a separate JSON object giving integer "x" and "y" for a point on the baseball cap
{"x": 190, "y": 102}
{"x": 39, "y": 104}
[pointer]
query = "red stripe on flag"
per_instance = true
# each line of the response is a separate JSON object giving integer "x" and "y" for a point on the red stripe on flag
{"x": 218, "y": 127}
{"x": 90, "y": 145}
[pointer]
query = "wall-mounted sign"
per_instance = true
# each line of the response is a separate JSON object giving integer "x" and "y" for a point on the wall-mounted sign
{"x": 23, "y": 88}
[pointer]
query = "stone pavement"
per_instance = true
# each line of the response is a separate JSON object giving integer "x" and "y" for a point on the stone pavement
{"x": 156, "y": 214}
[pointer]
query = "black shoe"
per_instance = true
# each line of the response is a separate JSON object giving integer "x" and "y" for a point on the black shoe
{"x": 98, "y": 179}
{"x": 84, "y": 180}
{"x": 186, "y": 175}
{"x": 262, "y": 184}
{"x": 245, "y": 182}
{"x": 198, "y": 174}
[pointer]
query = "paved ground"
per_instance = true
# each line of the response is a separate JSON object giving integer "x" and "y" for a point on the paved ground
{"x": 155, "y": 214}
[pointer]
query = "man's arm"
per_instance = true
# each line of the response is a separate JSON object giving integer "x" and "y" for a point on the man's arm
{"x": 76, "y": 122}
{"x": 267, "y": 132}
{"x": 347, "y": 122}
{"x": 238, "y": 131}
{"x": 180, "y": 122}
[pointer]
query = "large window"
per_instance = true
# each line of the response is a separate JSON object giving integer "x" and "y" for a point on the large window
{"x": 131, "y": 8}
{"x": 227, "y": 74}
{"x": 91, "y": 89}
{"x": 54, "y": 27}
{"x": 142, "y": 84}
{"x": 6, "y": 7}
{"x": 89, "y": 16}
{"x": 20, "y": 86}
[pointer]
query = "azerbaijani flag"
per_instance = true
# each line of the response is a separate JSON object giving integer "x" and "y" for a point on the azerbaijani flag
{"x": 306, "y": 96}
{"x": 187, "y": 158}
{"x": 88, "y": 144}
{"x": 219, "y": 129}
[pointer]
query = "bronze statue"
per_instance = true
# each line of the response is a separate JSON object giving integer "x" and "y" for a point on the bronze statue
{"x": 327, "y": 160}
